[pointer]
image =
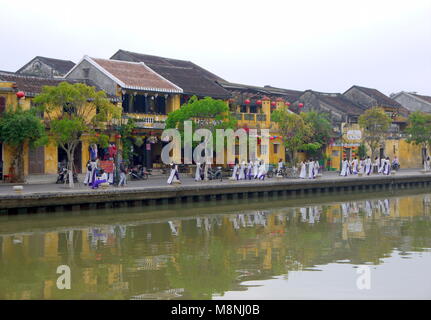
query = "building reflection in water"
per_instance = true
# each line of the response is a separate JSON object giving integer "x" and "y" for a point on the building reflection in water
{"x": 197, "y": 257}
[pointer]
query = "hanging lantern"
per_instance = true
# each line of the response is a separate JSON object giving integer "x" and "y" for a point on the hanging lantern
{"x": 118, "y": 136}
{"x": 259, "y": 102}
{"x": 288, "y": 104}
{"x": 20, "y": 94}
{"x": 273, "y": 103}
{"x": 300, "y": 104}
{"x": 247, "y": 101}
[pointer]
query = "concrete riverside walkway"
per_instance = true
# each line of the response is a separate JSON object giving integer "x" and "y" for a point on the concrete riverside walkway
{"x": 156, "y": 188}
{"x": 41, "y": 185}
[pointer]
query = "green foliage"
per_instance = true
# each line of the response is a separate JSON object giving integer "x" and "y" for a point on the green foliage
{"x": 296, "y": 132}
{"x": 126, "y": 139}
{"x": 322, "y": 131}
{"x": 206, "y": 113}
{"x": 375, "y": 124}
{"x": 18, "y": 127}
{"x": 362, "y": 151}
{"x": 74, "y": 110}
{"x": 419, "y": 129}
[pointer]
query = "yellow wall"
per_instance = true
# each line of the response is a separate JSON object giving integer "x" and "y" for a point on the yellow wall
{"x": 409, "y": 155}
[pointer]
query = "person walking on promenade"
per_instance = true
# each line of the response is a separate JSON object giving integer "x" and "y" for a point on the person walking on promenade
{"x": 174, "y": 176}
{"x": 345, "y": 168}
{"x": 242, "y": 169}
{"x": 303, "y": 172}
{"x": 382, "y": 163}
{"x": 250, "y": 170}
{"x": 256, "y": 169}
{"x": 427, "y": 164}
{"x": 376, "y": 165}
{"x": 280, "y": 168}
{"x": 87, "y": 178}
{"x": 310, "y": 169}
{"x": 123, "y": 175}
{"x": 262, "y": 171}
{"x": 235, "y": 171}
{"x": 387, "y": 166}
{"x": 354, "y": 166}
{"x": 316, "y": 168}
{"x": 368, "y": 166}
{"x": 198, "y": 174}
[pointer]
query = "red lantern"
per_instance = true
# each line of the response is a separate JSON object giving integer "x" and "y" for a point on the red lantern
{"x": 288, "y": 104}
{"x": 247, "y": 101}
{"x": 118, "y": 136}
{"x": 273, "y": 103}
{"x": 259, "y": 102}
{"x": 20, "y": 94}
{"x": 300, "y": 105}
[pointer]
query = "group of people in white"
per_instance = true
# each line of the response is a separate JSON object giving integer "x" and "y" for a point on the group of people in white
{"x": 309, "y": 169}
{"x": 366, "y": 166}
{"x": 248, "y": 171}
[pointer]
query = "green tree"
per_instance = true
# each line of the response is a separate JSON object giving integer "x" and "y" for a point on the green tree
{"x": 322, "y": 132}
{"x": 73, "y": 111}
{"x": 19, "y": 127}
{"x": 419, "y": 129}
{"x": 208, "y": 113}
{"x": 296, "y": 132}
{"x": 375, "y": 124}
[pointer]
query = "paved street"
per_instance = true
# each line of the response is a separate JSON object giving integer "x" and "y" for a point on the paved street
{"x": 158, "y": 181}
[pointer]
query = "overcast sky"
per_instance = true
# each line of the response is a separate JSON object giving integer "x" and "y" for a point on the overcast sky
{"x": 321, "y": 45}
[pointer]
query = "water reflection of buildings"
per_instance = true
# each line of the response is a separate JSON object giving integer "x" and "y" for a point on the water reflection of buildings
{"x": 144, "y": 260}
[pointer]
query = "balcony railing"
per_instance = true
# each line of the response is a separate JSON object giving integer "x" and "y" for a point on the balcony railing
{"x": 249, "y": 116}
{"x": 143, "y": 120}
{"x": 261, "y": 117}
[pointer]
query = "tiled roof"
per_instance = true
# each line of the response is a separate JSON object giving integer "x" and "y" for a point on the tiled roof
{"x": 132, "y": 75}
{"x": 32, "y": 85}
{"x": 256, "y": 92}
{"x": 382, "y": 100}
{"x": 151, "y": 60}
{"x": 339, "y": 102}
{"x": 62, "y": 66}
{"x": 193, "y": 79}
{"x": 426, "y": 98}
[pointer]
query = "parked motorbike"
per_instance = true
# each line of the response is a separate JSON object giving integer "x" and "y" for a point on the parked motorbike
{"x": 139, "y": 173}
{"x": 214, "y": 174}
{"x": 63, "y": 177}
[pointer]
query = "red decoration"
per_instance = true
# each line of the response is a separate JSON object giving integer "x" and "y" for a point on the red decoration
{"x": 300, "y": 105}
{"x": 20, "y": 94}
{"x": 118, "y": 136}
{"x": 247, "y": 101}
{"x": 273, "y": 103}
{"x": 259, "y": 102}
{"x": 288, "y": 104}
{"x": 97, "y": 134}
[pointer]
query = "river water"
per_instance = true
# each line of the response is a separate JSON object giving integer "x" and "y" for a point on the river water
{"x": 368, "y": 246}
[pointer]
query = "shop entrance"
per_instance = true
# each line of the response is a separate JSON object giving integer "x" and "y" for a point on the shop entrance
{"x": 77, "y": 158}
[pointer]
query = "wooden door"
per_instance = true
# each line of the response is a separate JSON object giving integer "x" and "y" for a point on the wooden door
{"x": 36, "y": 160}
